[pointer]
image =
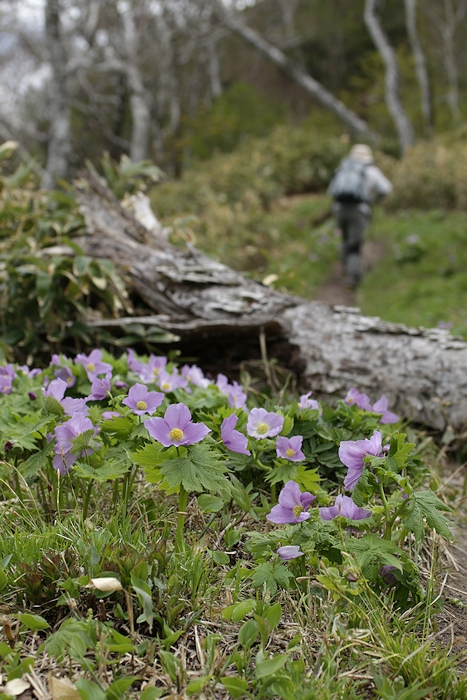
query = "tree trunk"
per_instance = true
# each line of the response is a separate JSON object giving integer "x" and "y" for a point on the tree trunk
{"x": 140, "y": 112}
{"x": 59, "y": 146}
{"x": 420, "y": 64}
{"x": 402, "y": 123}
{"x": 312, "y": 86}
{"x": 226, "y": 321}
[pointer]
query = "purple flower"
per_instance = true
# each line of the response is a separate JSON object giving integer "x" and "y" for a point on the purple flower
{"x": 386, "y": 574}
{"x": 32, "y": 395}
{"x": 100, "y": 387}
{"x": 195, "y": 375}
{"x": 306, "y": 402}
{"x": 381, "y": 406}
{"x": 176, "y": 427}
{"x": 233, "y": 439}
{"x": 235, "y": 393}
{"x": 151, "y": 371}
{"x": 290, "y": 448}
{"x": 237, "y": 397}
{"x": 289, "y": 552}
{"x": 142, "y": 401}
{"x": 133, "y": 363}
{"x": 262, "y": 424}
{"x": 293, "y": 505}
{"x": 120, "y": 385}
{"x": 361, "y": 400}
{"x": 93, "y": 364}
{"x": 346, "y": 507}
{"x": 7, "y": 374}
{"x": 66, "y": 374}
{"x": 169, "y": 382}
{"x": 110, "y": 415}
{"x": 352, "y": 454}
{"x": 56, "y": 389}
{"x": 65, "y": 434}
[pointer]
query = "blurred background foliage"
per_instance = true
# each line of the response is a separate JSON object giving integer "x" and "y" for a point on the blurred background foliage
{"x": 236, "y": 156}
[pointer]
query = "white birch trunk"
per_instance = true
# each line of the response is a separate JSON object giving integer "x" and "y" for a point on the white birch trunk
{"x": 420, "y": 63}
{"x": 59, "y": 144}
{"x": 401, "y": 121}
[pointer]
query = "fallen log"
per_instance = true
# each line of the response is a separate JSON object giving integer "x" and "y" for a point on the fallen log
{"x": 224, "y": 319}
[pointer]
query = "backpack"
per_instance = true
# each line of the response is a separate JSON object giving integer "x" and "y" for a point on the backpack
{"x": 348, "y": 184}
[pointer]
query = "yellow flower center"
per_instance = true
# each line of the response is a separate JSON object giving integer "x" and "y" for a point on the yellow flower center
{"x": 165, "y": 386}
{"x": 91, "y": 366}
{"x": 141, "y": 405}
{"x": 289, "y": 452}
{"x": 297, "y": 510}
{"x": 68, "y": 380}
{"x": 155, "y": 372}
{"x": 262, "y": 428}
{"x": 176, "y": 434}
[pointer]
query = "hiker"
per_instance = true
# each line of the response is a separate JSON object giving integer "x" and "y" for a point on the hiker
{"x": 357, "y": 184}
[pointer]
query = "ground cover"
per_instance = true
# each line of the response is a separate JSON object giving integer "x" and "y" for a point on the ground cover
{"x": 167, "y": 534}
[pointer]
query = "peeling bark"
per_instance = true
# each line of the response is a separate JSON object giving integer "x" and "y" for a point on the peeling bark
{"x": 225, "y": 320}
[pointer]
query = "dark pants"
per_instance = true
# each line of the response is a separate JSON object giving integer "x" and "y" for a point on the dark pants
{"x": 353, "y": 220}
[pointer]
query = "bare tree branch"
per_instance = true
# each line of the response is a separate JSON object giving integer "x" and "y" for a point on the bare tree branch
{"x": 312, "y": 86}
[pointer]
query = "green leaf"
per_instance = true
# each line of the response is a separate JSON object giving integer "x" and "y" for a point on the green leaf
{"x": 150, "y": 693}
{"x": 241, "y": 610}
{"x": 36, "y": 462}
{"x": 118, "y": 688}
{"x": 196, "y": 685}
{"x": 308, "y": 479}
{"x": 237, "y": 687}
{"x": 3, "y": 580}
{"x": 89, "y": 690}
{"x": 273, "y": 615}
{"x": 34, "y": 622}
{"x": 110, "y": 469}
{"x": 209, "y": 503}
{"x": 425, "y": 505}
{"x": 271, "y": 574}
{"x": 270, "y": 666}
{"x": 24, "y": 667}
{"x": 144, "y": 594}
{"x": 153, "y": 455}
{"x": 203, "y": 469}
{"x": 373, "y": 552}
{"x": 5, "y": 649}
{"x": 247, "y": 634}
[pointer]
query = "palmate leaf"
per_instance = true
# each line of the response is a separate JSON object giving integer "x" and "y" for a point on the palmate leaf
{"x": 272, "y": 574}
{"x": 197, "y": 467}
{"x": 425, "y": 505}
{"x": 112, "y": 468}
{"x": 25, "y": 434}
{"x": 372, "y": 553}
{"x": 36, "y": 461}
{"x": 203, "y": 469}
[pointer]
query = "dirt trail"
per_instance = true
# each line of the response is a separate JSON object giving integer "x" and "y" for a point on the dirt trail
{"x": 333, "y": 290}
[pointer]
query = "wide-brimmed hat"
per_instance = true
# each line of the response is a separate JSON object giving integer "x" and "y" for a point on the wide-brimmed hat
{"x": 361, "y": 152}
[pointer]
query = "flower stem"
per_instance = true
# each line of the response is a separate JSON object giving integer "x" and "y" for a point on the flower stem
{"x": 387, "y": 512}
{"x": 179, "y": 534}
{"x": 87, "y": 496}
